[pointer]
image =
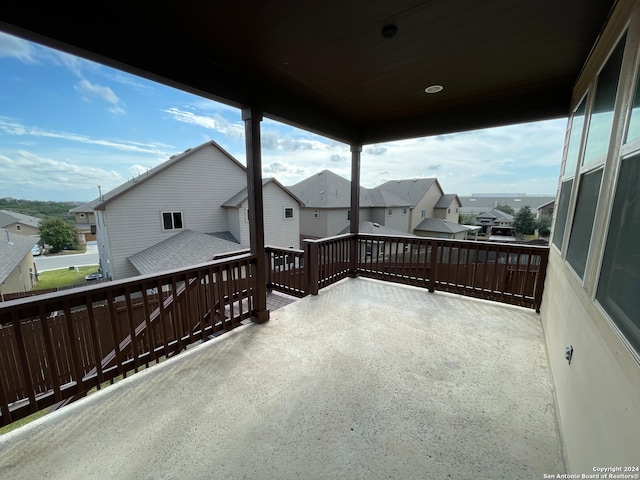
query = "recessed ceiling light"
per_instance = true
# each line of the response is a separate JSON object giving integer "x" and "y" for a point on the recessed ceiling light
{"x": 389, "y": 31}
{"x": 434, "y": 89}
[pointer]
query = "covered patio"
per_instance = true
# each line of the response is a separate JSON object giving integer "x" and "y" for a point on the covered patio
{"x": 365, "y": 380}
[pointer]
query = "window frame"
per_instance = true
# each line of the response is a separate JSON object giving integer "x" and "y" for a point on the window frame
{"x": 172, "y": 214}
{"x": 284, "y": 213}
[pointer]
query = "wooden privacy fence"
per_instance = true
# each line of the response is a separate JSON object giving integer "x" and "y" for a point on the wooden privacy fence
{"x": 54, "y": 348}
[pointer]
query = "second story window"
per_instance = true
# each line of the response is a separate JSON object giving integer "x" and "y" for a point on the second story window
{"x": 389, "y": 211}
{"x": 171, "y": 220}
{"x": 423, "y": 214}
{"x": 316, "y": 213}
{"x": 288, "y": 213}
{"x": 405, "y": 210}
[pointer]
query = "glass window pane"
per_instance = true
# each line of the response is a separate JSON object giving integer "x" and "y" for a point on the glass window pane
{"x": 166, "y": 220}
{"x": 602, "y": 113}
{"x": 574, "y": 139}
{"x": 583, "y": 221}
{"x": 634, "y": 122}
{"x": 561, "y": 215}
{"x": 619, "y": 286}
{"x": 177, "y": 220}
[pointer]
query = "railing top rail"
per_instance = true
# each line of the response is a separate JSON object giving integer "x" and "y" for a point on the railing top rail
{"x": 453, "y": 241}
{"x": 344, "y": 236}
{"x": 100, "y": 290}
{"x": 283, "y": 249}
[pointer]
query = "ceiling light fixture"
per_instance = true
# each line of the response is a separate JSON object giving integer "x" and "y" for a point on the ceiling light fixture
{"x": 389, "y": 31}
{"x": 434, "y": 89}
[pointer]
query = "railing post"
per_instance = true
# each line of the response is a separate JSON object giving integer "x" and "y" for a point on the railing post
{"x": 311, "y": 266}
{"x": 433, "y": 262}
{"x": 354, "y": 255}
{"x": 354, "y": 222}
{"x": 542, "y": 274}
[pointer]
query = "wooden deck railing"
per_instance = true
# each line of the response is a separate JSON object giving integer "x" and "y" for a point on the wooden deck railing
{"x": 508, "y": 273}
{"x": 56, "y": 347}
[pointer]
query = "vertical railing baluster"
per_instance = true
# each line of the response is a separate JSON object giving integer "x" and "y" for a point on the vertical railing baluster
{"x": 73, "y": 344}
{"x": 24, "y": 363}
{"x": 51, "y": 359}
{"x": 147, "y": 321}
{"x": 97, "y": 352}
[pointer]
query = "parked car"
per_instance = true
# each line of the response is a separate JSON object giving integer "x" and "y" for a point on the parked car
{"x": 37, "y": 250}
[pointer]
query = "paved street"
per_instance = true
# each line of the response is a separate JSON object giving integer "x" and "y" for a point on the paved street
{"x": 90, "y": 257}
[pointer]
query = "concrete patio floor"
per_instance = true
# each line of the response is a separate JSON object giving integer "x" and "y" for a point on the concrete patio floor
{"x": 367, "y": 380}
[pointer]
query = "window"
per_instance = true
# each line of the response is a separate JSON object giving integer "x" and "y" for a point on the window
{"x": 389, "y": 211}
{"x": 18, "y": 227}
{"x": 246, "y": 215}
{"x": 405, "y": 210}
{"x": 634, "y": 122}
{"x": 348, "y": 215}
{"x": 561, "y": 216}
{"x": 583, "y": 221}
{"x": 577, "y": 122}
{"x": 619, "y": 282}
{"x": 316, "y": 213}
{"x": 288, "y": 213}
{"x": 82, "y": 215}
{"x": 603, "y": 105}
{"x": 423, "y": 214}
{"x": 171, "y": 220}
{"x": 448, "y": 210}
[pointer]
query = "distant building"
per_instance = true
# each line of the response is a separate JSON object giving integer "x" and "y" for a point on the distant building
{"x": 480, "y": 202}
{"x": 399, "y": 205}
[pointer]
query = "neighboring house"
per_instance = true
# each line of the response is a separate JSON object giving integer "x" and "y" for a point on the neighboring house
{"x": 19, "y": 223}
{"x": 482, "y": 202}
{"x": 397, "y": 204}
{"x": 448, "y": 208}
{"x": 85, "y": 221}
{"x": 495, "y": 222}
{"x": 546, "y": 209}
{"x": 17, "y": 270}
{"x": 441, "y": 228}
{"x": 136, "y": 220}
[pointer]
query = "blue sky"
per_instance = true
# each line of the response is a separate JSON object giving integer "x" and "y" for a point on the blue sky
{"x": 68, "y": 125}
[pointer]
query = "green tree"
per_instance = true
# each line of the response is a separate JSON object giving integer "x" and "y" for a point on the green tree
{"x": 466, "y": 219}
{"x": 506, "y": 209}
{"x": 524, "y": 222}
{"x": 58, "y": 233}
{"x": 543, "y": 224}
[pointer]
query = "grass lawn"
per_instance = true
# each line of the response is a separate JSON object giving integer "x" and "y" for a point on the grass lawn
{"x": 64, "y": 277}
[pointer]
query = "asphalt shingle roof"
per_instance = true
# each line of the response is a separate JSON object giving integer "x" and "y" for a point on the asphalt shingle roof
{"x": 242, "y": 195}
{"x": 8, "y": 217}
{"x": 440, "y": 225}
{"x": 182, "y": 250}
{"x": 409, "y": 191}
{"x": 371, "y": 227}
{"x": 14, "y": 251}
{"x": 446, "y": 200}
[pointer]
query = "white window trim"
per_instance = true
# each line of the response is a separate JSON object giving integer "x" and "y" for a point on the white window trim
{"x": 172, "y": 212}
{"x": 284, "y": 213}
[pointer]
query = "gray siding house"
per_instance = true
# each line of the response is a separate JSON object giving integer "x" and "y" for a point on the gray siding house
{"x": 136, "y": 217}
{"x": 399, "y": 205}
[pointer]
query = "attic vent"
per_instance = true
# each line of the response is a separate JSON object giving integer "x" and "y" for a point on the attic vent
{"x": 187, "y": 150}
{"x": 376, "y": 224}
{"x": 172, "y": 156}
{"x": 321, "y": 192}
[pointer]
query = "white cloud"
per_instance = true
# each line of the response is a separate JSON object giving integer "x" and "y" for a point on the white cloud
{"x": 26, "y": 171}
{"x": 213, "y": 122}
{"x": 14, "y": 128}
{"x": 14, "y": 47}
{"x": 92, "y": 90}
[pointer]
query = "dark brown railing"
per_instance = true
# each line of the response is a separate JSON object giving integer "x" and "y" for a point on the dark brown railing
{"x": 508, "y": 273}
{"x": 285, "y": 271}
{"x": 56, "y": 347}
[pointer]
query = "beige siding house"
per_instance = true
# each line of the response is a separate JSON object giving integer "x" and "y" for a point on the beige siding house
{"x": 17, "y": 269}
{"x": 18, "y": 223}
{"x": 154, "y": 207}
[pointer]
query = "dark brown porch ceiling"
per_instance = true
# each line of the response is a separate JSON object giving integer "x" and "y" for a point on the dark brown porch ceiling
{"x": 324, "y": 65}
